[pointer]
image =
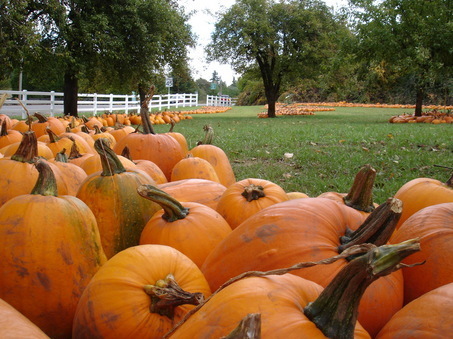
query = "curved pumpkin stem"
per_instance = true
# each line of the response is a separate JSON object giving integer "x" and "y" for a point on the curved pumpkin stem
{"x": 52, "y": 136}
{"x": 111, "y": 164}
{"x": 74, "y": 152}
{"x": 41, "y": 118}
{"x": 208, "y": 137}
{"x": 377, "y": 227}
{"x": 126, "y": 152}
{"x": 166, "y": 295}
{"x": 249, "y": 327}
{"x": 360, "y": 195}
{"x": 3, "y": 129}
{"x": 253, "y": 192}
{"x": 46, "y": 183}
{"x": 335, "y": 311}
{"x": 28, "y": 148}
{"x": 173, "y": 210}
{"x": 61, "y": 156}
{"x": 144, "y": 113}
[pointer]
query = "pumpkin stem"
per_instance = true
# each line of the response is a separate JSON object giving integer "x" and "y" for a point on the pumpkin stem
{"x": 208, "y": 137}
{"x": 166, "y": 295}
{"x": 52, "y": 136}
{"x": 85, "y": 129}
{"x": 335, "y": 310}
{"x": 144, "y": 112}
{"x": 111, "y": 164}
{"x": 28, "y": 148}
{"x": 377, "y": 227}
{"x": 253, "y": 192}
{"x": 3, "y": 129}
{"x": 61, "y": 156}
{"x": 126, "y": 152}
{"x": 75, "y": 152}
{"x": 173, "y": 210}
{"x": 46, "y": 183}
{"x": 97, "y": 130}
{"x": 248, "y": 328}
{"x": 360, "y": 195}
{"x": 41, "y": 118}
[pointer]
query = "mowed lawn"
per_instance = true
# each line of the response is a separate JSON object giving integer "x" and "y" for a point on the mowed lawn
{"x": 323, "y": 152}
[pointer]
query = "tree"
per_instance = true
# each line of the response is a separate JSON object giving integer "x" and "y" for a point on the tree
{"x": 124, "y": 42}
{"x": 285, "y": 39}
{"x": 411, "y": 37}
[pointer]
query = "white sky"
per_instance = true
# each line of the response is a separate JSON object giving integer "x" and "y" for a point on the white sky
{"x": 202, "y": 22}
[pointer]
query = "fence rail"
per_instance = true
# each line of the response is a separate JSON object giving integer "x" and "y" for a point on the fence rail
{"x": 52, "y": 102}
{"x": 212, "y": 100}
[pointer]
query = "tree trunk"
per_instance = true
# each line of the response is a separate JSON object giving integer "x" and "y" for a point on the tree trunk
{"x": 71, "y": 89}
{"x": 419, "y": 102}
{"x": 271, "y": 108}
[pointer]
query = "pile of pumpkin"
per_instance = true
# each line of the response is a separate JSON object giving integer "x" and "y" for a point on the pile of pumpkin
{"x": 428, "y": 117}
{"x": 376, "y": 105}
{"x": 135, "y": 235}
{"x": 294, "y": 109}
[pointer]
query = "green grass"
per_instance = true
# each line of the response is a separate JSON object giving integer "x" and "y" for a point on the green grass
{"x": 328, "y": 148}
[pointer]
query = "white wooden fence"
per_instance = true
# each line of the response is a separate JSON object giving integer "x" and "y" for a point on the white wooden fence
{"x": 52, "y": 102}
{"x": 212, "y": 100}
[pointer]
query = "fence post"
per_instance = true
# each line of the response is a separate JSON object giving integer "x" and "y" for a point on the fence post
{"x": 95, "y": 104}
{"x": 111, "y": 102}
{"x": 52, "y": 103}
{"x": 24, "y": 102}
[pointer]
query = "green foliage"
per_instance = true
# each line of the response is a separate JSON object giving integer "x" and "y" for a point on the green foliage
{"x": 405, "y": 43}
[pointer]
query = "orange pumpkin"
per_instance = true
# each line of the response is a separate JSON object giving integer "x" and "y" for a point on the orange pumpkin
{"x": 147, "y": 166}
{"x": 192, "y": 228}
{"x": 134, "y": 276}
{"x": 203, "y": 191}
{"x": 18, "y": 174}
{"x": 434, "y": 226}
{"x": 218, "y": 159}
{"x": 72, "y": 174}
{"x": 193, "y": 168}
{"x": 8, "y": 136}
{"x": 428, "y": 316}
{"x": 423, "y": 192}
{"x": 50, "y": 250}
{"x": 310, "y": 229}
{"x": 112, "y": 196}
{"x": 246, "y": 197}
{"x": 43, "y": 122}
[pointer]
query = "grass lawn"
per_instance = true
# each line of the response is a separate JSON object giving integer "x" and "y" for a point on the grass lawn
{"x": 327, "y": 148}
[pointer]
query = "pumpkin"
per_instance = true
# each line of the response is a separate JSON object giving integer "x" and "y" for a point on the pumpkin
{"x": 100, "y": 134}
{"x": 297, "y": 195}
{"x": 218, "y": 159}
{"x": 112, "y": 196}
{"x": 310, "y": 229}
{"x": 18, "y": 174}
{"x": 43, "y": 122}
{"x": 147, "y": 166}
{"x": 122, "y": 299}
{"x": 193, "y": 168}
{"x": 43, "y": 150}
{"x": 72, "y": 174}
{"x": 161, "y": 149}
{"x": 77, "y": 158}
{"x": 8, "y": 136}
{"x": 50, "y": 250}
{"x": 192, "y": 228}
{"x": 246, "y": 197}
{"x": 428, "y": 316}
{"x": 293, "y": 307}
{"x": 180, "y": 138}
{"x": 120, "y": 132}
{"x": 423, "y": 192}
{"x": 14, "y": 324}
{"x": 56, "y": 144}
{"x": 434, "y": 226}
{"x": 203, "y": 191}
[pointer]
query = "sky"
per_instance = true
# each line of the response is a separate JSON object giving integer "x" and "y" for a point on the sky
{"x": 202, "y": 22}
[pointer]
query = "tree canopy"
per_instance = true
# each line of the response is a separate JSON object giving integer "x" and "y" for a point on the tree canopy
{"x": 122, "y": 42}
{"x": 409, "y": 38}
{"x": 285, "y": 40}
